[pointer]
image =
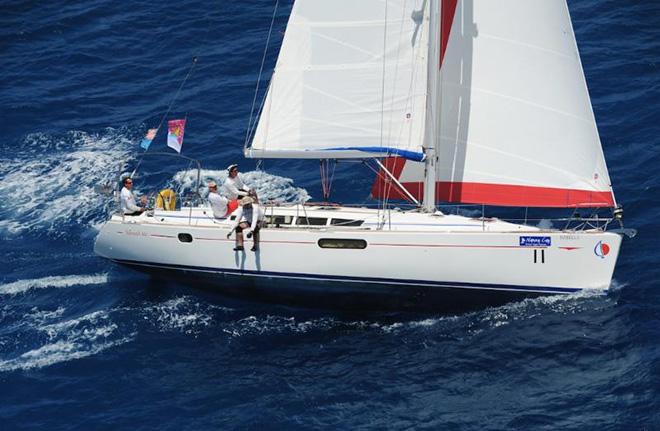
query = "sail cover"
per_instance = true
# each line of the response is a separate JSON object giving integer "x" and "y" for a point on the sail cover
{"x": 350, "y": 82}
{"x": 517, "y": 127}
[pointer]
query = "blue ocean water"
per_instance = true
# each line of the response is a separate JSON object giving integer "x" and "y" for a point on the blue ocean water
{"x": 88, "y": 345}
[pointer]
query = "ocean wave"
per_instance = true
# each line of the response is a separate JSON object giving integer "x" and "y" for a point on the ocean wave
{"x": 268, "y": 186}
{"x": 71, "y": 339}
{"x": 59, "y": 281}
{"x": 459, "y": 325}
{"x": 181, "y": 314}
{"x": 51, "y": 181}
{"x": 56, "y": 352}
{"x": 38, "y": 317}
{"x": 476, "y": 322}
{"x": 617, "y": 285}
{"x": 260, "y": 325}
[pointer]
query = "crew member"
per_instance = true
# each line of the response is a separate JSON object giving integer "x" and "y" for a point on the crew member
{"x": 218, "y": 203}
{"x": 128, "y": 205}
{"x": 249, "y": 218}
{"x": 233, "y": 188}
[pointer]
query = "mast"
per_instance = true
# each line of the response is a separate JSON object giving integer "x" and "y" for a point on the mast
{"x": 432, "y": 107}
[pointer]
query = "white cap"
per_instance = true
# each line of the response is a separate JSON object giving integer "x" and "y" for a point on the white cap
{"x": 232, "y": 166}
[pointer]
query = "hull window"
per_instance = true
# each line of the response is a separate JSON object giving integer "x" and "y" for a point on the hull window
{"x": 311, "y": 221}
{"x": 185, "y": 237}
{"x": 345, "y": 222}
{"x": 278, "y": 220}
{"x": 342, "y": 243}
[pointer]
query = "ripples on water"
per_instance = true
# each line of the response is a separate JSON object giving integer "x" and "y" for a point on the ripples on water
{"x": 88, "y": 345}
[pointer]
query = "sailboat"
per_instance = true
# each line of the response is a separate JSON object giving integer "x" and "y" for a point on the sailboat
{"x": 456, "y": 101}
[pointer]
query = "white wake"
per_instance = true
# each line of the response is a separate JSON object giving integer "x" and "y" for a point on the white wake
{"x": 59, "y": 281}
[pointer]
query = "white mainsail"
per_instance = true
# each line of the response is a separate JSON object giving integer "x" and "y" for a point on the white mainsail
{"x": 350, "y": 82}
{"x": 517, "y": 127}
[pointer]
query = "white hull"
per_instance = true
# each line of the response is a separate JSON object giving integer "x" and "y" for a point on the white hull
{"x": 452, "y": 254}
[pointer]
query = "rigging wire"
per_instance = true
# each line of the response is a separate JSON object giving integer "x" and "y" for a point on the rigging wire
{"x": 169, "y": 108}
{"x": 382, "y": 95}
{"x": 327, "y": 177}
{"x": 251, "y": 122}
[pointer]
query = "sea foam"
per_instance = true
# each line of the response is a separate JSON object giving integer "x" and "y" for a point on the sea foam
{"x": 59, "y": 281}
{"x": 70, "y": 339}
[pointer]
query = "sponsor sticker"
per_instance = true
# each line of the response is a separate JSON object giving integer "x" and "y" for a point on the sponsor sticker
{"x": 535, "y": 241}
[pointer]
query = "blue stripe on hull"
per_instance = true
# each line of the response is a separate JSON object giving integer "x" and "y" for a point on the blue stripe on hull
{"x": 389, "y": 281}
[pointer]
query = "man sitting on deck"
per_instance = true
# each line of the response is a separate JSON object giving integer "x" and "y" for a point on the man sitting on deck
{"x": 233, "y": 188}
{"x": 128, "y": 205}
{"x": 249, "y": 218}
{"x": 218, "y": 203}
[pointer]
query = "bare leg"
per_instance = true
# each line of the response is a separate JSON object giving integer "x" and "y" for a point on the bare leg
{"x": 255, "y": 244}
{"x": 239, "y": 235}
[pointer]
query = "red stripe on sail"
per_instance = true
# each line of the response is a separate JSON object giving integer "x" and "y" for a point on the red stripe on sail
{"x": 506, "y": 195}
{"x": 446, "y": 21}
{"x": 383, "y": 185}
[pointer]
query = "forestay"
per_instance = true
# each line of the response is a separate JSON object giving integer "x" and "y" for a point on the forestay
{"x": 517, "y": 127}
{"x": 350, "y": 82}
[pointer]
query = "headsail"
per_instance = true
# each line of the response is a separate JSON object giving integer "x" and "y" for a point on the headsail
{"x": 350, "y": 82}
{"x": 517, "y": 127}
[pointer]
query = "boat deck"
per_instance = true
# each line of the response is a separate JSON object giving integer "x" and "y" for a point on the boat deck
{"x": 334, "y": 218}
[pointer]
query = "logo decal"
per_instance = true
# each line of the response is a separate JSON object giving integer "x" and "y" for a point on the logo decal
{"x": 535, "y": 241}
{"x": 601, "y": 250}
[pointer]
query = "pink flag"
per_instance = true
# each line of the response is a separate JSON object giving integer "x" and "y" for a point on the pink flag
{"x": 175, "y": 130}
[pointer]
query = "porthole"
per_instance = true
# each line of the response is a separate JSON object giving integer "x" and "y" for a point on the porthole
{"x": 185, "y": 237}
{"x": 342, "y": 243}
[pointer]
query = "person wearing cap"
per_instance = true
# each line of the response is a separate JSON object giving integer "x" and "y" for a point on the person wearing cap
{"x": 218, "y": 203}
{"x": 127, "y": 199}
{"x": 249, "y": 217}
{"x": 233, "y": 187}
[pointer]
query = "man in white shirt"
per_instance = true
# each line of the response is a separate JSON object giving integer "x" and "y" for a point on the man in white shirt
{"x": 249, "y": 218}
{"x": 218, "y": 203}
{"x": 128, "y": 205}
{"x": 233, "y": 188}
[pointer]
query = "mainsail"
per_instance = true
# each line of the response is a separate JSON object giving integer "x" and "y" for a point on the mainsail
{"x": 350, "y": 82}
{"x": 516, "y": 123}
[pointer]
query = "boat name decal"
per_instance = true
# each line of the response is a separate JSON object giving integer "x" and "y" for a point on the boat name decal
{"x": 132, "y": 232}
{"x": 535, "y": 241}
